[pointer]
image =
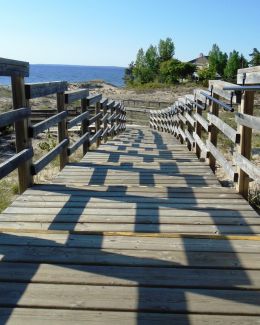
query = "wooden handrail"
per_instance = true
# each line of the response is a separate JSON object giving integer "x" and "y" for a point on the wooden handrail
{"x": 22, "y": 93}
{"x": 184, "y": 120}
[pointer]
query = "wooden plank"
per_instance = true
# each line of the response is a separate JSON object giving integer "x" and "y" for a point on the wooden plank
{"x": 46, "y": 124}
{"x": 61, "y": 317}
{"x": 135, "y": 241}
{"x": 217, "y": 87}
{"x": 76, "y": 120}
{"x": 190, "y": 138}
{"x": 199, "y": 96}
{"x": 85, "y": 228}
{"x": 95, "y": 118}
{"x": 46, "y": 159}
{"x": 11, "y": 117}
{"x": 125, "y": 298}
{"x": 201, "y": 144}
{"x": 74, "y": 95}
{"x": 83, "y": 139}
{"x": 249, "y": 121}
{"x": 34, "y": 90}
{"x": 204, "y": 123}
{"x": 190, "y": 119}
{"x": 248, "y": 76}
{"x": 128, "y": 257}
{"x": 134, "y": 276}
{"x": 92, "y": 99}
{"x": 224, "y": 128}
{"x": 12, "y": 67}
{"x": 15, "y": 161}
{"x": 230, "y": 171}
{"x": 96, "y": 136}
{"x": 250, "y": 169}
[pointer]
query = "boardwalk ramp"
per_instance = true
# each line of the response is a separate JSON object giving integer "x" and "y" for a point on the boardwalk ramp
{"x": 139, "y": 231}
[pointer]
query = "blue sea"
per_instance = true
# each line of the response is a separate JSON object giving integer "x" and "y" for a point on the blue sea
{"x": 72, "y": 73}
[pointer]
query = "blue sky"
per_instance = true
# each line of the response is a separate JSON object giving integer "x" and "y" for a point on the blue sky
{"x": 109, "y": 32}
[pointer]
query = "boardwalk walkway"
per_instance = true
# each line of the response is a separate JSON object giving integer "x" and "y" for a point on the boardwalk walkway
{"x": 139, "y": 232}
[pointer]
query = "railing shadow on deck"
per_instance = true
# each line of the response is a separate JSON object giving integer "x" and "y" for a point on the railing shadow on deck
{"x": 147, "y": 297}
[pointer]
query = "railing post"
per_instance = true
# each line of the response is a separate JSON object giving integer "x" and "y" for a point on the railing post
{"x": 118, "y": 116}
{"x": 198, "y": 129}
{"x": 21, "y": 132}
{"x": 245, "y": 145}
{"x": 112, "y": 121}
{"x": 105, "y": 122}
{"x": 213, "y": 132}
{"x": 84, "y": 124}
{"x": 97, "y": 123}
{"x": 62, "y": 129}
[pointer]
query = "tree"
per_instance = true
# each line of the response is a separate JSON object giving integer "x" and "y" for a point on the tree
{"x": 206, "y": 74}
{"x": 255, "y": 58}
{"x": 166, "y": 49}
{"x": 243, "y": 62}
{"x": 217, "y": 59}
{"x": 152, "y": 62}
{"x": 233, "y": 64}
{"x": 139, "y": 70}
{"x": 173, "y": 70}
{"x": 129, "y": 77}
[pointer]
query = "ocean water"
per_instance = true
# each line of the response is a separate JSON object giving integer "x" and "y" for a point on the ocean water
{"x": 72, "y": 73}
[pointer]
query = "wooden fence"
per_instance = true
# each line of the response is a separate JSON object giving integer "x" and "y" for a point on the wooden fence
{"x": 109, "y": 119}
{"x": 145, "y": 104}
{"x": 185, "y": 120}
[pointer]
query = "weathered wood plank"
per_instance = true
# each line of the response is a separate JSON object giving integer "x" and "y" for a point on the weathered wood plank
{"x": 46, "y": 159}
{"x": 11, "y": 117}
{"x": 204, "y": 123}
{"x": 124, "y": 226}
{"x": 129, "y": 257}
{"x": 76, "y": 120}
{"x": 61, "y": 317}
{"x": 134, "y": 276}
{"x": 201, "y": 144}
{"x": 249, "y": 121}
{"x": 250, "y": 169}
{"x": 74, "y": 95}
{"x": 83, "y": 139}
{"x": 248, "y": 76}
{"x": 217, "y": 87}
{"x": 34, "y": 90}
{"x": 12, "y": 67}
{"x": 96, "y": 136}
{"x": 92, "y": 99}
{"x": 46, "y": 124}
{"x": 15, "y": 161}
{"x": 230, "y": 171}
{"x": 125, "y": 298}
{"x": 224, "y": 128}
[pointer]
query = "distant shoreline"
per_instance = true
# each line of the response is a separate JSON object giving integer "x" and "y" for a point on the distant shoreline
{"x": 72, "y": 74}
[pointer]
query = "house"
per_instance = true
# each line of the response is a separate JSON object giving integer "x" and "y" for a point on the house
{"x": 201, "y": 62}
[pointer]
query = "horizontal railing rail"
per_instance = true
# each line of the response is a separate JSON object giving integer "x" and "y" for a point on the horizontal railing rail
{"x": 186, "y": 120}
{"x": 109, "y": 119}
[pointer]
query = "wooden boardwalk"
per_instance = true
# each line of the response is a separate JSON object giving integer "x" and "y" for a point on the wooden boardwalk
{"x": 139, "y": 232}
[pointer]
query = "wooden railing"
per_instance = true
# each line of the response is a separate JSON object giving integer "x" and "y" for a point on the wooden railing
{"x": 186, "y": 119}
{"x": 109, "y": 119}
{"x": 145, "y": 104}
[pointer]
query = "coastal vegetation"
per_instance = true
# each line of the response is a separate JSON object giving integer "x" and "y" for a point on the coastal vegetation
{"x": 157, "y": 67}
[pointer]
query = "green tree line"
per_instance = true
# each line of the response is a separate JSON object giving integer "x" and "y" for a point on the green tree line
{"x": 158, "y": 64}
